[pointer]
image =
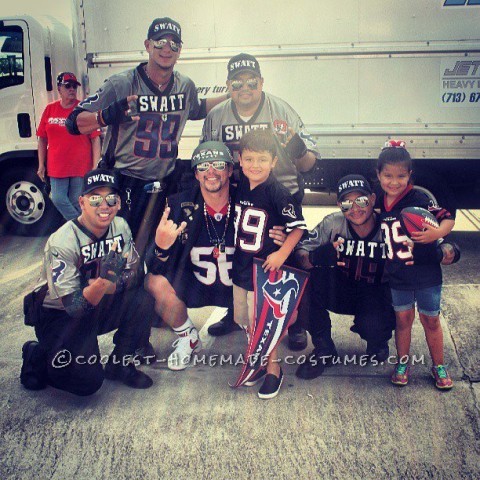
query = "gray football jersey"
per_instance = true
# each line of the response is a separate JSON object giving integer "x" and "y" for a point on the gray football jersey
{"x": 72, "y": 257}
{"x": 147, "y": 148}
{"x": 224, "y": 124}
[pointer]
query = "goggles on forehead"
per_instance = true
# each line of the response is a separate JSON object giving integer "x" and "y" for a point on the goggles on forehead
{"x": 251, "y": 83}
{"x": 96, "y": 200}
{"x": 217, "y": 165}
{"x": 159, "y": 44}
{"x": 346, "y": 205}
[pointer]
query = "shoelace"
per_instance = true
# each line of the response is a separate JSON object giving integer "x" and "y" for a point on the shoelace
{"x": 441, "y": 372}
{"x": 402, "y": 368}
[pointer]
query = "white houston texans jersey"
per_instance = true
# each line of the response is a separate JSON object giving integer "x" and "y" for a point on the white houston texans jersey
{"x": 364, "y": 258}
{"x": 72, "y": 257}
{"x": 224, "y": 124}
{"x": 147, "y": 148}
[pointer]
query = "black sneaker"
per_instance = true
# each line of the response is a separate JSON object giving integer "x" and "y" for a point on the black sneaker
{"x": 225, "y": 326}
{"x": 146, "y": 355}
{"x": 256, "y": 378}
{"x": 377, "y": 352}
{"x": 33, "y": 375}
{"x": 298, "y": 340}
{"x": 315, "y": 364}
{"x": 127, "y": 374}
{"x": 271, "y": 386}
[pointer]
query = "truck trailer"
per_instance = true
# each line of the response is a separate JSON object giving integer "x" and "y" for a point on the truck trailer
{"x": 359, "y": 72}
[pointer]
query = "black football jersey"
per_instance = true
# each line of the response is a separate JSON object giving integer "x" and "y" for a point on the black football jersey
{"x": 400, "y": 275}
{"x": 256, "y": 212}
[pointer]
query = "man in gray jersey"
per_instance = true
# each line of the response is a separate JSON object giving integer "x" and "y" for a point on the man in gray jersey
{"x": 145, "y": 109}
{"x": 251, "y": 108}
{"x": 90, "y": 286}
{"x": 351, "y": 242}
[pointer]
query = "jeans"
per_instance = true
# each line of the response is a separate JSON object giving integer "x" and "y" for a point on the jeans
{"x": 427, "y": 299}
{"x": 65, "y": 193}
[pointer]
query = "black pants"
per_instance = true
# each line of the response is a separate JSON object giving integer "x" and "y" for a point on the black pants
{"x": 330, "y": 290}
{"x": 69, "y": 346}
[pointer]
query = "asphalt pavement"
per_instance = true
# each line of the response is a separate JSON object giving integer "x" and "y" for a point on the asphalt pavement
{"x": 349, "y": 423}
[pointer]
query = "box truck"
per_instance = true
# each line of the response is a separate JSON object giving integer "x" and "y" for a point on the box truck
{"x": 357, "y": 71}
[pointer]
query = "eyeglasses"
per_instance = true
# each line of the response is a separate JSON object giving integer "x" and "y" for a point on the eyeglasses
{"x": 218, "y": 165}
{"x": 159, "y": 44}
{"x": 97, "y": 200}
{"x": 251, "y": 83}
{"x": 69, "y": 86}
{"x": 346, "y": 205}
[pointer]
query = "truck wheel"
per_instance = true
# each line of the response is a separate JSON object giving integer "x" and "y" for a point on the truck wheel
{"x": 25, "y": 209}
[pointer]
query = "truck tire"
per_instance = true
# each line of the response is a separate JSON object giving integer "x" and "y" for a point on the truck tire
{"x": 437, "y": 189}
{"x": 25, "y": 208}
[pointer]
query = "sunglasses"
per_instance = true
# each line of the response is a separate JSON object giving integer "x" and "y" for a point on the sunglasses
{"x": 159, "y": 44}
{"x": 251, "y": 83}
{"x": 346, "y": 205}
{"x": 69, "y": 86}
{"x": 218, "y": 165}
{"x": 97, "y": 200}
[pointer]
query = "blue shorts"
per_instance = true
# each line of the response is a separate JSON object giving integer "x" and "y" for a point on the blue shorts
{"x": 427, "y": 299}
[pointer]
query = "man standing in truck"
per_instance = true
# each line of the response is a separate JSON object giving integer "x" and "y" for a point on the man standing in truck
{"x": 142, "y": 136}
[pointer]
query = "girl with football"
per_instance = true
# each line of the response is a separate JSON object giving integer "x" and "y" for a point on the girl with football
{"x": 420, "y": 282}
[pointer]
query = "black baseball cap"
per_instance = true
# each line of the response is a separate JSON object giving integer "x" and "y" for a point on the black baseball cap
{"x": 67, "y": 77}
{"x": 243, "y": 63}
{"x": 211, "y": 151}
{"x": 353, "y": 183}
{"x": 164, "y": 26}
{"x": 100, "y": 177}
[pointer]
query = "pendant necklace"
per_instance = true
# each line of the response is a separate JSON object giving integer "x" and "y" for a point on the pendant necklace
{"x": 217, "y": 242}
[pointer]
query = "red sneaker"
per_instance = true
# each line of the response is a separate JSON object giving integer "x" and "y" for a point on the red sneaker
{"x": 442, "y": 378}
{"x": 400, "y": 374}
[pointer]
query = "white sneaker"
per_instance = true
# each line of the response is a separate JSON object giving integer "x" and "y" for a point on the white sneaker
{"x": 185, "y": 347}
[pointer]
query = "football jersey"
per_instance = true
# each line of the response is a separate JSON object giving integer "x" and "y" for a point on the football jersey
{"x": 416, "y": 276}
{"x": 256, "y": 212}
{"x": 72, "y": 257}
{"x": 146, "y": 148}
{"x": 364, "y": 258}
{"x": 224, "y": 124}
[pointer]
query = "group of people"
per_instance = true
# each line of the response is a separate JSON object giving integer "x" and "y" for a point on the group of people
{"x": 199, "y": 244}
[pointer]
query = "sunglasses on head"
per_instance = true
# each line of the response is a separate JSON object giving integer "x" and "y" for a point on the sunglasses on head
{"x": 97, "y": 200}
{"x": 159, "y": 44}
{"x": 217, "y": 165}
{"x": 69, "y": 86}
{"x": 346, "y": 205}
{"x": 251, "y": 83}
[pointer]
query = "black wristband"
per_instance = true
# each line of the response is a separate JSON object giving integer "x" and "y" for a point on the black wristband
{"x": 161, "y": 252}
{"x": 296, "y": 147}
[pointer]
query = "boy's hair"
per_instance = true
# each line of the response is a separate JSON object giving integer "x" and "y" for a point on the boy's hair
{"x": 259, "y": 141}
{"x": 393, "y": 155}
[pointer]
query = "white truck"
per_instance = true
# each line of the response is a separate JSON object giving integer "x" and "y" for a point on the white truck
{"x": 357, "y": 71}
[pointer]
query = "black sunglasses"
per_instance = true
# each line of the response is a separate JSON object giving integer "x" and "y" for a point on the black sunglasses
{"x": 69, "y": 86}
{"x": 251, "y": 83}
{"x": 346, "y": 205}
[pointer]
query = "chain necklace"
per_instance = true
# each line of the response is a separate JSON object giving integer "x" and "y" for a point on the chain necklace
{"x": 217, "y": 242}
{"x": 158, "y": 85}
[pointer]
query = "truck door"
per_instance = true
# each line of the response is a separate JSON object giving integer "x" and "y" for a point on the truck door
{"x": 17, "y": 119}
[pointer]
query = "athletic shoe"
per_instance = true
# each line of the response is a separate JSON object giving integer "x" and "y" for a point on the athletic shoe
{"x": 256, "y": 378}
{"x": 146, "y": 354}
{"x": 225, "y": 326}
{"x": 400, "y": 374}
{"x": 185, "y": 347}
{"x": 271, "y": 386}
{"x": 297, "y": 340}
{"x": 127, "y": 374}
{"x": 33, "y": 375}
{"x": 442, "y": 378}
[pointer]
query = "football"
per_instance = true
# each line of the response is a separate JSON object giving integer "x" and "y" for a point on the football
{"x": 413, "y": 219}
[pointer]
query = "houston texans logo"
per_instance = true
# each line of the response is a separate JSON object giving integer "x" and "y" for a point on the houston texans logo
{"x": 89, "y": 100}
{"x": 58, "y": 268}
{"x": 289, "y": 211}
{"x": 280, "y": 294}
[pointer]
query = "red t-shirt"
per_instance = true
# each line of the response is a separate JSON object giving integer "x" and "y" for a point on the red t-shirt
{"x": 67, "y": 155}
